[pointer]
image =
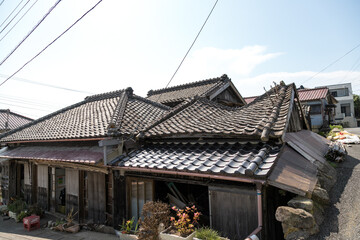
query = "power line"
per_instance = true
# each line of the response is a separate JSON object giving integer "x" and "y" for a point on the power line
{"x": 191, "y": 45}
{"x": 92, "y": 8}
{"x": 14, "y": 16}
{"x": 2, "y": 2}
{"x": 24, "y": 107}
{"x": 45, "y": 84}
{"x": 19, "y": 20}
{"x": 23, "y": 101}
{"x": 32, "y": 30}
{"x": 331, "y": 64}
{"x": 11, "y": 13}
{"x": 177, "y": 69}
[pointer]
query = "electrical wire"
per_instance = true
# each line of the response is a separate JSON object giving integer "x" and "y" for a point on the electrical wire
{"x": 177, "y": 69}
{"x": 32, "y": 30}
{"x": 14, "y": 16}
{"x": 2, "y": 2}
{"x": 11, "y": 13}
{"x": 18, "y": 20}
{"x": 331, "y": 64}
{"x": 45, "y": 84}
{"x": 24, "y": 107}
{"x": 28, "y": 102}
{"x": 352, "y": 69}
{"x": 78, "y": 20}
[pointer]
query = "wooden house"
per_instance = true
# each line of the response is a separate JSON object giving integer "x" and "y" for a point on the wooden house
{"x": 220, "y": 90}
{"x": 60, "y": 161}
{"x": 231, "y": 162}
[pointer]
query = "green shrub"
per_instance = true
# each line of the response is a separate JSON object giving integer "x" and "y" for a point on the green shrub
{"x": 336, "y": 126}
{"x": 35, "y": 209}
{"x": 207, "y": 234}
{"x": 21, "y": 215}
{"x": 17, "y": 205}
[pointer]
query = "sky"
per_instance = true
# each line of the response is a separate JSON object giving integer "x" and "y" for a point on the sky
{"x": 140, "y": 44}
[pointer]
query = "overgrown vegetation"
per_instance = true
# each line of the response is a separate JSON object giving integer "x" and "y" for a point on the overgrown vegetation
{"x": 207, "y": 234}
{"x": 154, "y": 214}
{"x": 129, "y": 226}
{"x": 16, "y": 205}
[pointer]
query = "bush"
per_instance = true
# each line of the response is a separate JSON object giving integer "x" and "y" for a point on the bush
{"x": 17, "y": 205}
{"x": 336, "y": 126}
{"x": 207, "y": 234}
{"x": 35, "y": 209}
{"x": 21, "y": 215}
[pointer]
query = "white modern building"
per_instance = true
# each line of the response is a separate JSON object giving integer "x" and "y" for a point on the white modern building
{"x": 345, "y": 113}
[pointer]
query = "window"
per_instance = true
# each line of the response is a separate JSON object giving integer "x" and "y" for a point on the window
{"x": 342, "y": 92}
{"x": 334, "y": 93}
{"x": 141, "y": 192}
{"x": 315, "y": 109}
{"x": 345, "y": 108}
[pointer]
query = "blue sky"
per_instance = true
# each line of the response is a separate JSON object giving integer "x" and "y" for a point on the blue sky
{"x": 141, "y": 43}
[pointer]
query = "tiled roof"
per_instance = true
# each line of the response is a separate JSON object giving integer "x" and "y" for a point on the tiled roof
{"x": 180, "y": 93}
{"x": 263, "y": 118}
{"x": 10, "y": 120}
{"x": 249, "y": 99}
{"x": 228, "y": 158}
{"x": 313, "y": 94}
{"x": 91, "y": 118}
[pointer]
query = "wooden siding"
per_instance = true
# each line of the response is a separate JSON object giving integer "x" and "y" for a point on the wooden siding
{"x": 96, "y": 197}
{"x": 233, "y": 211}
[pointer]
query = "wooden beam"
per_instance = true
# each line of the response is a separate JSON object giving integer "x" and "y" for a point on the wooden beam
{"x": 73, "y": 165}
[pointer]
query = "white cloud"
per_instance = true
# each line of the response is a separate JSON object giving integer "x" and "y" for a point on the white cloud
{"x": 211, "y": 62}
{"x": 254, "y": 85}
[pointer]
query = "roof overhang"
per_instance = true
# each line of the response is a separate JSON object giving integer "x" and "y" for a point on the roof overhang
{"x": 83, "y": 154}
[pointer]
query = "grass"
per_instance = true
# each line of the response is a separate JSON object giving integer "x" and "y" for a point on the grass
{"x": 207, "y": 234}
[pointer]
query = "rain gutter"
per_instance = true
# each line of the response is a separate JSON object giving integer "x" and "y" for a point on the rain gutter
{"x": 192, "y": 174}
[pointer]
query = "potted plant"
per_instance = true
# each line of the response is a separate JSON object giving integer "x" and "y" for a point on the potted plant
{"x": 206, "y": 233}
{"x": 128, "y": 229}
{"x": 16, "y": 207}
{"x": 183, "y": 224}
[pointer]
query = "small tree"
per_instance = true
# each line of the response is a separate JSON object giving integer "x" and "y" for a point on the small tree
{"x": 357, "y": 105}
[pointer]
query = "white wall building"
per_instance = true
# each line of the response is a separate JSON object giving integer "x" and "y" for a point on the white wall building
{"x": 345, "y": 113}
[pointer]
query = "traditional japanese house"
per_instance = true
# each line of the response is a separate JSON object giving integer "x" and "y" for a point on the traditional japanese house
{"x": 220, "y": 90}
{"x": 10, "y": 120}
{"x": 231, "y": 162}
{"x": 60, "y": 161}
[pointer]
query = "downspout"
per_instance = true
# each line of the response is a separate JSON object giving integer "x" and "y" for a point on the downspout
{"x": 252, "y": 235}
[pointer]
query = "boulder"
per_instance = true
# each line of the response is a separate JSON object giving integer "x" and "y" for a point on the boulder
{"x": 295, "y": 217}
{"x": 302, "y": 202}
{"x": 321, "y": 196}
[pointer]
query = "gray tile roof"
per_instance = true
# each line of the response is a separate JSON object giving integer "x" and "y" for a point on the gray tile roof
{"x": 227, "y": 158}
{"x": 178, "y": 94}
{"x": 264, "y": 118}
{"x": 91, "y": 118}
{"x": 10, "y": 120}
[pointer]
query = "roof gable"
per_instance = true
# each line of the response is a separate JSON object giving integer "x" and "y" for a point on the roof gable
{"x": 263, "y": 118}
{"x": 10, "y": 120}
{"x": 174, "y": 95}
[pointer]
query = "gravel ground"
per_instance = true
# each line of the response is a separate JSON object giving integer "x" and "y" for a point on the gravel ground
{"x": 342, "y": 218}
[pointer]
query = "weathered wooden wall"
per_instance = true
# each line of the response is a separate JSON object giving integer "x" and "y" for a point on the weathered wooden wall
{"x": 12, "y": 179}
{"x": 42, "y": 190}
{"x": 96, "y": 197}
{"x": 4, "y": 181}
{"x": 119, "y": 203}
{"x": 109, "y": 198}
{"x": 72, "y": 191}
{"x": 233, "y": 211}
